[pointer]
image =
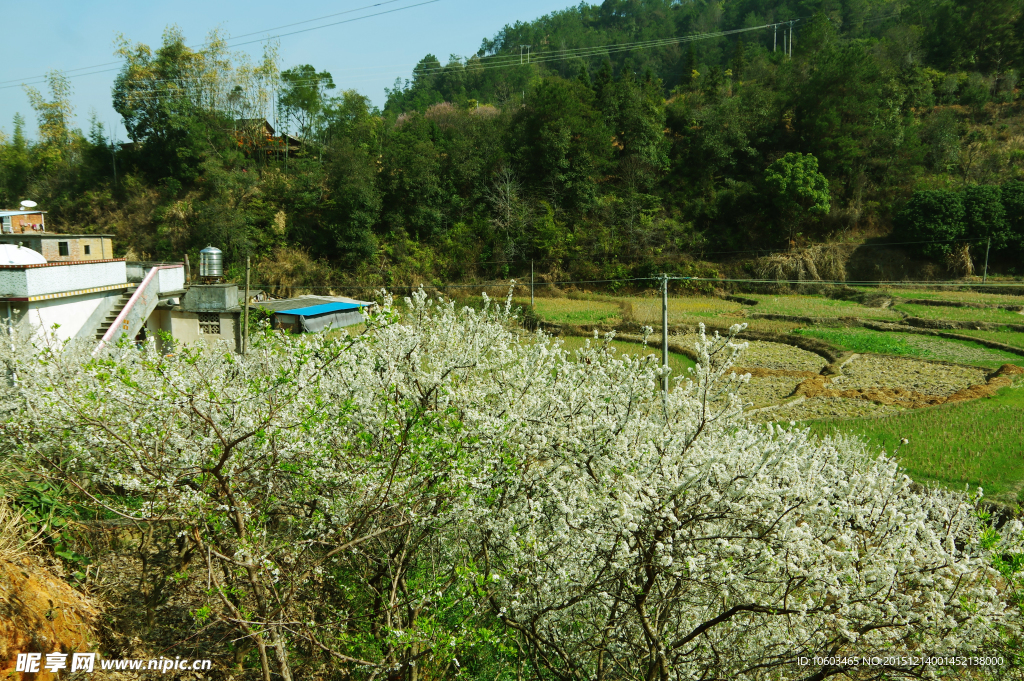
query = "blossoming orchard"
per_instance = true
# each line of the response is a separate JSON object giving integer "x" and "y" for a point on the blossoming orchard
{"x": 444, "y": 496}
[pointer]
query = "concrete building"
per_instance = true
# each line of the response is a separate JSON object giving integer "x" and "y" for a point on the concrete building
{"x": 57, "y": 287}
{"x": 86, "y": 299}
{"x": 64, "y": 247}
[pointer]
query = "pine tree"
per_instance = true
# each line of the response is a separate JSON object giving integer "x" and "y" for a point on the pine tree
{"x": 739, "y": 61}
{"x": 689, "y": 70}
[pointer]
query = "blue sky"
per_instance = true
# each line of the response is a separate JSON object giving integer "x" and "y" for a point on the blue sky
{"x": 365, "y": 55}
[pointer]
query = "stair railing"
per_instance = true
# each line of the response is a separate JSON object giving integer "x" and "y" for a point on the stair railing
{"x": 120, "y": 323}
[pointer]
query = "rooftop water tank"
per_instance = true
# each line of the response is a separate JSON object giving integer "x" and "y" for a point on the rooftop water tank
{"x": 211, "y": 262}
{"x": 20, "y": 255}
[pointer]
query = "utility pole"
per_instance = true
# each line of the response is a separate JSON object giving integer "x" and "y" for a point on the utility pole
{"x": 113, "y": 157}
{"x": 531, "y": 285}
{"x": 984, "y": 277}
{"x": 527, "y": 53}
{"x": 791, "y": 39}
{"x": 245, "y": 310}
{"x": 664, "y": 329}
{"x": 775, "y": 37}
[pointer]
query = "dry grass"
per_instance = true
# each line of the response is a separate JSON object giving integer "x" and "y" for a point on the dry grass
{"x": 822, "y": 262}
{"x": 292, "y": 272}
{"x": 13, "y": 543}
{"x": 959, "y": 261}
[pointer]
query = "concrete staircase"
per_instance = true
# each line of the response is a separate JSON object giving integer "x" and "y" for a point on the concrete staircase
{"x": 104, "y": 325}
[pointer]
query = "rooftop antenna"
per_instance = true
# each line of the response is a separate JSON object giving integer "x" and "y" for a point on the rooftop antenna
{"x": 27, "y": 203}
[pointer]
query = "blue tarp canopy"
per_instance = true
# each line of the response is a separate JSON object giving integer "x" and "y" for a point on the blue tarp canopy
{"x": 319, "y": 309}
{"x": 314, "y": 313}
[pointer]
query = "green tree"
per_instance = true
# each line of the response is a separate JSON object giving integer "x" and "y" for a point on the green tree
{"x": 797, "y": 190}
{"x": 15, "y": 164}
{"x": 739, "y": 61}
{"x": 982, "y": 34}
{"x": 1012, "y": 195}
{"x": 985, "y": 215}
{"x": 932, "y": 222}
{"x": 303, "y": 100}
{"x": 55, "y": 115}
{"x": 562, "y": 141}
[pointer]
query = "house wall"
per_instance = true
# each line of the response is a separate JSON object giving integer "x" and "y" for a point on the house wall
{"x": 38, "y": 280}
{"x": 98, "y": 250}
{"x": 171, "y": 279}
{"x": 23, "y": 223}
{"x": 160, "y": 323}
{"x": 105, "y": 307}
{"x": 71, "y": 314}
{"x": 185, "y": 327}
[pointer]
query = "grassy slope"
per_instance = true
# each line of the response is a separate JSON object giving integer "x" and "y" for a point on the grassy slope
{"x": 978, "y": 443}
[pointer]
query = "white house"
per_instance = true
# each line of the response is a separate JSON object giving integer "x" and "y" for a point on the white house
{"x": 81, "y": 298}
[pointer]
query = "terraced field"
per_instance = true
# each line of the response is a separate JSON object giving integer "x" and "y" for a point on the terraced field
{"x": 817, "y": 306}
{"x": 962, "y": 415}
{"x": 913, "y": 345}
{"x": 1005, "y": 336}
{"x": 679, "y": 363}
{"x": 959, "y": 296}
{"x": 960, "y": 314}
{"x": 973, "y": 444}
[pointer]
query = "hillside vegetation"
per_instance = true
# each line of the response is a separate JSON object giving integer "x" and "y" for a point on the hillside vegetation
{"x": 635, "y": 137}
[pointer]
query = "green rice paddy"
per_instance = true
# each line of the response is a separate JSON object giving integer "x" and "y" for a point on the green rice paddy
{"x": 975, "y": 444}
{"x": 862, "y": 340}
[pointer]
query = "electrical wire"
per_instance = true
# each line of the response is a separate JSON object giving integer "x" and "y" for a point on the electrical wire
{"x": 509, "y": 60}
{"x": 525, "y": 283}
{"x": 41, "y": 79}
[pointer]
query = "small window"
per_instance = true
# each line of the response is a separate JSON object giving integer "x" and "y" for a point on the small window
{"x": 209, "y": 323}
{"x": 62, "y": 248}
{"x": 87, "y": 249}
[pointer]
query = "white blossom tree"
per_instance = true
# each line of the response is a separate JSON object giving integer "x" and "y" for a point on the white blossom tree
{"x": 393, "y": 503}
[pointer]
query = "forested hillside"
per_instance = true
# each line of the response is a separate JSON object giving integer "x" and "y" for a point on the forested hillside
{"x": 602, "y": 141}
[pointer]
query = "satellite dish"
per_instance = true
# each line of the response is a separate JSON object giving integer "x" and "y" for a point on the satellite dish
{"x": 28, "y": 204}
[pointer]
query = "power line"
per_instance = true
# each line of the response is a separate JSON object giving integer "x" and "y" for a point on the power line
{"x": 41, "y": 79}
{"x": 518, "y": 282}
{"x": 199, "y": 45}
{"x": 485, "y": 62}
